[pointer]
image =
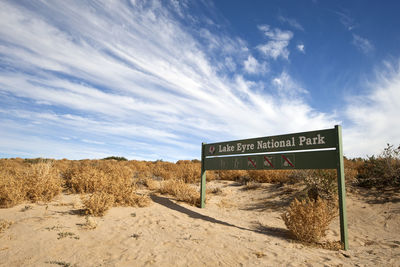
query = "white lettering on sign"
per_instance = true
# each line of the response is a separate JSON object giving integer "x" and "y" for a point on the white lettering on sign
{"x": 266, "y": 144}
{"x": 226, "y": 148}
{"x": 318, "y": 140}
{"x": 244, "y": 147}
{"x": 277, "y": 144}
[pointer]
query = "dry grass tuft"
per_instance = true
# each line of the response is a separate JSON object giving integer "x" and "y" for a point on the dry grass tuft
{"x": 182, "y": 191}
{"x": 309, "y": 219}
{"x": 226, "y": 204}
{"x": 90, "y": 223}
{"x": 259, "y": 254}
{"x": 331, "y": 245}
{"x": 4, "y": 224}
{"x": 215, "y": 190}
{"x": 252, "y": 186}
{"x": 62, "y": 235}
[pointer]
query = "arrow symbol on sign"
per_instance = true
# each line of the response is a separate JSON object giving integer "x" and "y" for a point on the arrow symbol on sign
{"x": 287, "y": 160}
{"x": 269, "y": 162}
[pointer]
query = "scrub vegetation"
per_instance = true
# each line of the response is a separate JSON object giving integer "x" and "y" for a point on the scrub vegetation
{"x": 115, "y": 181}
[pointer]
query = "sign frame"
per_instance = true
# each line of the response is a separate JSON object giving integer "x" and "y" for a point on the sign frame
{"x": 321, "y": 149}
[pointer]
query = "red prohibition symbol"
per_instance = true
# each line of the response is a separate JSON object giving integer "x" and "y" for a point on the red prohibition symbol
{"x": 252, "y": 163}
{"x": 269, "y": 162}
{"x": 287, "y": 160}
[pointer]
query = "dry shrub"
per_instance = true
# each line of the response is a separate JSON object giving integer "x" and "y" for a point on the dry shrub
{"x": 151, "y": 184}
{"x": 164, "y": 170}
{"x": 232, "y": 175}
{"x": 11, "y": 192}
{"x": 309, "y": 219}
{"x": 260, "y": 176}
{"x": 98, "y": 203}
{"x": 106, "y": 180}
{"x": 321, "y": 184}
{"x": 211, "y": 175}
{"x": 214, "y": 190}
{"x": 11, "y": 182}
{"x": 188, "y": 171}
{"x": 185, "y": 170}
{"x": 141, "y": 169}
{"x": 127, "y": 196}
{"x": 21, "y": 181}
{"x": 269, "y": 176}
{"x": 351, "y": 170}
{"x": 252, "y": 186}
{"x": 85, "y": 177}
{"x": 42, "y": 182}
{"x": 381, "y": 171}
{"x": 182, "y": 191}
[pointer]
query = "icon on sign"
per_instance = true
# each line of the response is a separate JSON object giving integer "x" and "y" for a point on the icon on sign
{"x": 288, "y": 161}
{"x": 211, "y": 150}
{"x": 251, "y": 162}
{"x": 268, "y": 162}
{"x": 236, "y": 164}
{"x": 223, "y": 164}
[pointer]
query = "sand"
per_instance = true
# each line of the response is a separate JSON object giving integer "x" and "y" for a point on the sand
{"x": 238, "y": 227}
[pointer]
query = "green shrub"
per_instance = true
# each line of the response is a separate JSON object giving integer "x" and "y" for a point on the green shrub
{"x": 321, "y": 184}
{"x": 116, "y": 158}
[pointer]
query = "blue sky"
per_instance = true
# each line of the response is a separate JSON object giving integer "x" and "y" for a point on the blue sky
{"x": 153, "y": 79}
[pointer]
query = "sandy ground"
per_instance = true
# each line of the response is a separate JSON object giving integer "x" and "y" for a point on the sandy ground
{"x": 237, "y": 228}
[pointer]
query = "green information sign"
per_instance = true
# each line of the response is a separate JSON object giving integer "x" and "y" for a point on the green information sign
{"x": 307, "y": 150}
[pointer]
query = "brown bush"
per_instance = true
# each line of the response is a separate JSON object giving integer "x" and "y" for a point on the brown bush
{"x": 182, "y": 191}
{"x": 232, "y": 175}
{"x": 84, "y": 177}
{"x": 321, "y": 184}
{"x": 11, "y": 191}
{"x": 21, "y": 181}
{"x": 270, "y": 176}
{"x": 382, "y": 171}
{"x": 11, "y": 185}
{"x": 98, "y": 203}
{"x": 164, "y": 170}
{"x": 42, "y": 182}
{"x": 189, "y": 172}
{"x": 309, "y": 219}
{"x": 106, "y": 178}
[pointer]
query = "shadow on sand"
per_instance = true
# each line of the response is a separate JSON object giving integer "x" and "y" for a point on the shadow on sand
{"x": 258, "y": 228}
{"x": 379, "y": 195}
{"x": 277, "y": 198}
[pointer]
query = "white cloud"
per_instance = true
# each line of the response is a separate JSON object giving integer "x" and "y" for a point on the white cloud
{"x": 363, "y": 44}
{"x": 292, "y": 22}
{"x": 301, "y": 48}
{"x": 134, "y": 81}
{"x": 287, "y": 87}
{"x": 252, "y": 66}
{"x": 230, "y": 64}
{"x": 347, "y": 21}
{"x": 277, "y": 44}
{"x": 374, "y": 116}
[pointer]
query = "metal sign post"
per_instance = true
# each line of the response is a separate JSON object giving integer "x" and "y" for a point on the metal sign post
{"x": 307, "y": 150}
